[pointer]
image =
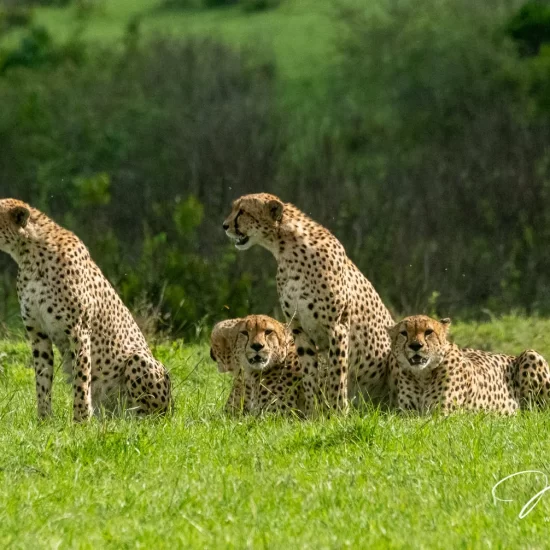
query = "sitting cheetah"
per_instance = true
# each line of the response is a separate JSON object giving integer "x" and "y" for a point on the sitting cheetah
{"x": 260, "y": 354}
{"x": 330, "y": 305}
{"x": 65, "y": 299}
{"x": 430, "y": 372}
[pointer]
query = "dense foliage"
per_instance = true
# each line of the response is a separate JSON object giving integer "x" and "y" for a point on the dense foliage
{"x": 428, "y": 157}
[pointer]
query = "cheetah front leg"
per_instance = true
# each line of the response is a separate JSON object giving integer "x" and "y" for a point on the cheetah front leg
{"x": 406, "y": 395}
{"x": 82, "y": 371}
{"x": 337, "y": 373}
{"x": 309, "y": 364}
{"x": 42, "y": 352}
{"x": 240, "y": 397}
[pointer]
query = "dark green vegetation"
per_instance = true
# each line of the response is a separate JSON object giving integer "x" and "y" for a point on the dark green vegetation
{"x": 202, "y": 480}
{"x": 416, "y": 131}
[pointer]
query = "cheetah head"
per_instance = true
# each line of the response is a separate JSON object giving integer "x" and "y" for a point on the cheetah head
{"x": 419, "y": 342}
{"x": 14, "y": 216}
{"x": 261, "y": 342}
{"x": 254, "y": 219}
{"x": 222, "y": 344}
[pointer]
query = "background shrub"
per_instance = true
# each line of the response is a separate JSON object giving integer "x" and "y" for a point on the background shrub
{"x": 131, "y": 149}
{"x": 425, "y": 151}
{"x": 436, "y": 160}
{"x": 219, "y": 3}
{"x": 259, "y": 5}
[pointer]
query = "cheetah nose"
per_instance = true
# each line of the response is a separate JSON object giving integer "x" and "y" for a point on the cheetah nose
{"x": 257, "y": 347}
{"x": 415, "y": 346}
{"x": 225, "y": 226}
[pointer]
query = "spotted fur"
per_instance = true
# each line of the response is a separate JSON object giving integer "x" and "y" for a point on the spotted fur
{"x": 222, "y": 350}
{"x": 333, "y": 310}
{"x": 67, "y": 301}
{"x": 259, "y": 353}
{"x": 430, "y": 372}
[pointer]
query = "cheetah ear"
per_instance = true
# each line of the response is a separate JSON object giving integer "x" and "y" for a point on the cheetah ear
{"x": 20, "y": 215}
{"x": 275, "y": 208}
{"x": 446, "y": 322}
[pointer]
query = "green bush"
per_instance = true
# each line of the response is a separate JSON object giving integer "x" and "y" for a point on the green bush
{"x": 28, "y": 3}
{"x": 247, "y": 5}
{"x": 36, "y": 49}
{"x": 531, "y": 26}
{"x": 17, "y": 16}
{"x": 219, "y": 3}
{"x": 259, "y": 5}
{"x": 181, "y": 4}
{"x": 433, "y": 156}
{"x": 140, "y": 152}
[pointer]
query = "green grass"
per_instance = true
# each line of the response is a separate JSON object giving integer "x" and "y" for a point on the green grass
{"x": 202, "y": 480}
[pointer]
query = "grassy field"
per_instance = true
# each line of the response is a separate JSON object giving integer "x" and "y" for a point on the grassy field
{"x": 202, "y": 480}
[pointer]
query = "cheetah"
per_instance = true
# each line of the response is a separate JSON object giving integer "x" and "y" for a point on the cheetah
{"x": 66, "y": 300}
{"x": 333, "y": 310}
{"x": 260, "y": 354}
{"x": 432, "y": 373}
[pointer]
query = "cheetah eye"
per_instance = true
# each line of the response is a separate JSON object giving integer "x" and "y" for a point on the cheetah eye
{"x": 403, "y": 332}
{"x": 244, "y": 332}
{"x": 428, "y": 332}
{"x": 268, "y": 332}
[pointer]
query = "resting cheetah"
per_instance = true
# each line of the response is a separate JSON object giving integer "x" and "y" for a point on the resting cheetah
{"x": 65, "y": 299}
{"x": 329, "y": 304}
{"x": 430, "y": 372}
{"x": 259, "y": 352}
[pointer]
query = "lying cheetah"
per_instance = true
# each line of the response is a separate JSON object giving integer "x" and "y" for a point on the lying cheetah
{"x": 65, "y": 299}
{"x": 330, "y": 305}
{"x": 430, "y": 372}
{"x": 260, "y": 354}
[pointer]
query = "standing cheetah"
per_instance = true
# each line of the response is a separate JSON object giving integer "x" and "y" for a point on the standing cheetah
{"x": 260, "y": 354}
{"x": 66, "y": 300}
{"x": 330, "y": 305}
{"x": 430, "y": 372}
